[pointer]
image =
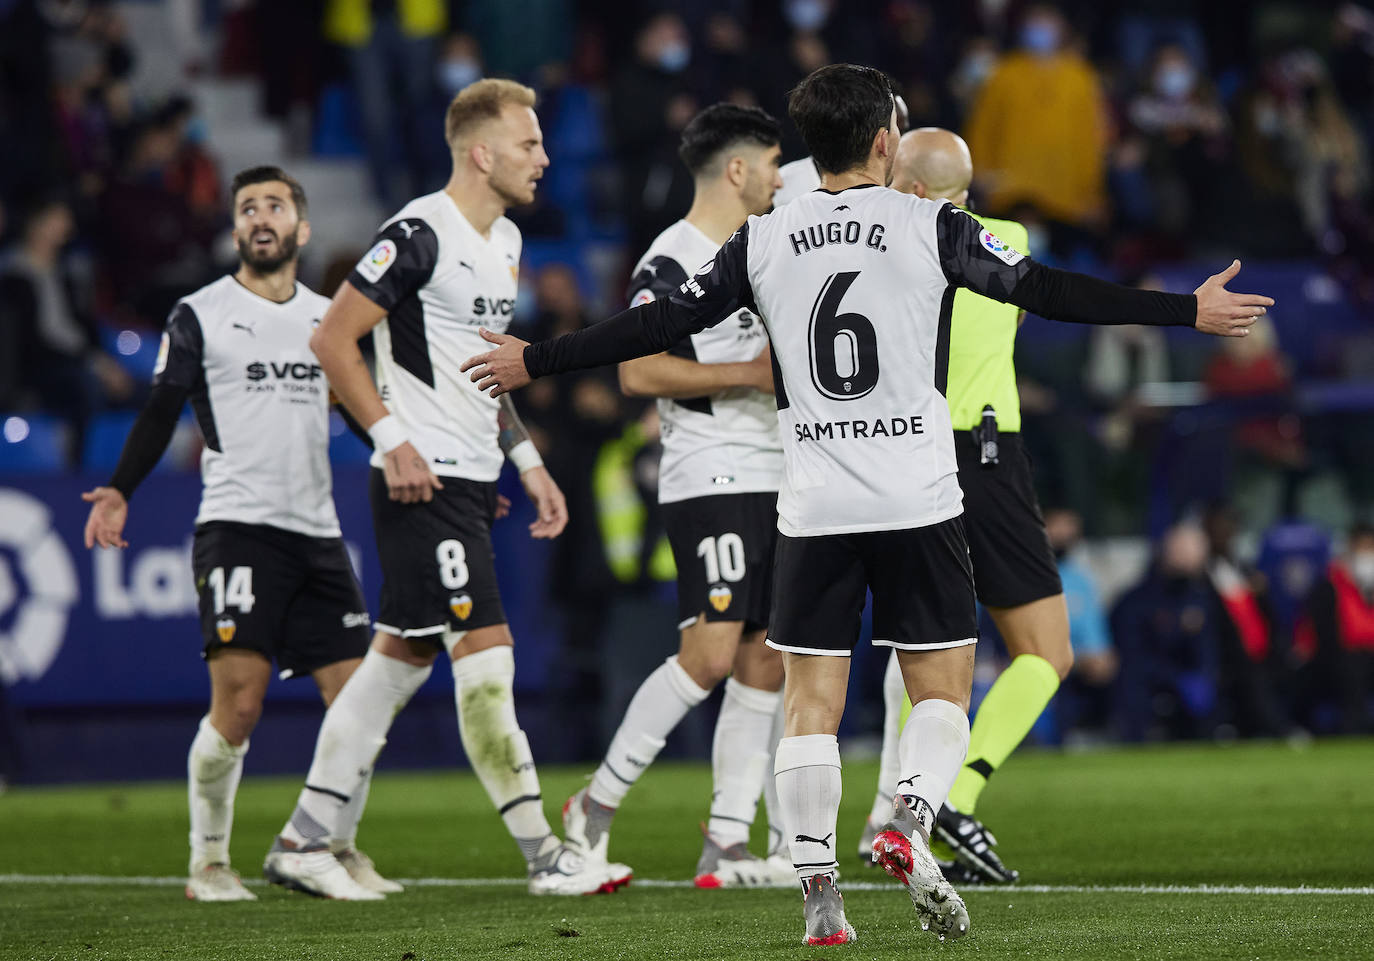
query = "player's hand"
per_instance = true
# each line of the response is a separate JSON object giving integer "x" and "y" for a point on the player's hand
{"x": 109, "y": 511}
{"x": 408, "y": 477}
{"x": 501, "y": 370}
{"x": 761, "y": 370}
{"x": 502, "y": 506}
{"x": 1227, "y": 314}
{"x": 548, "y": 501}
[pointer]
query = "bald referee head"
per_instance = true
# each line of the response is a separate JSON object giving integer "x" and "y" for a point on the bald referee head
{"x": 934, "y": 163}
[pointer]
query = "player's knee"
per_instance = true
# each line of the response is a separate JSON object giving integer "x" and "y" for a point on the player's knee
{"x": 240, "y": 717}
{"x": 1062, "y": 661}
{"x": 706, "y": 668}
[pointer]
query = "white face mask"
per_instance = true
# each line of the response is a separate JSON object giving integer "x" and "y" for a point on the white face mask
{"x": 1362, "y": 569}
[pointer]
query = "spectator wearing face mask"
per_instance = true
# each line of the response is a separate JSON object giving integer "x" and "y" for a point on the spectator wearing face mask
{"x": 1337, "y": 633}
{"x": 1166, "y": 168}
{"x": 1039, "y": 129}
{"x": 651, "y": 101}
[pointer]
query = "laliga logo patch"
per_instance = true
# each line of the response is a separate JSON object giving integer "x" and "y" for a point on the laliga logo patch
{"x": 461, "y": 606}
{"x": 645, "y": 296}
{"x": 720, "y": 598}
{"x": 226, "y": 628}
{"x": 1000, "y": 249}
{"x": 378, "y": 260}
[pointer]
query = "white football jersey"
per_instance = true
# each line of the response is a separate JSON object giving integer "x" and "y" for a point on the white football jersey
{"x": 439, "y": 280}
{"x": 262, "y": 403}
{"x": 726, "y": 442}
{"x": 798, "y": 177}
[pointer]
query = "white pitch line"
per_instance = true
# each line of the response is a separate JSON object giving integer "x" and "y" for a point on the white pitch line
{"x": 111, "y": 880}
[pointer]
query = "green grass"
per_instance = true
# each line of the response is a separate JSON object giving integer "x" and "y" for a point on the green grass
{"x": 1248, "y": 815}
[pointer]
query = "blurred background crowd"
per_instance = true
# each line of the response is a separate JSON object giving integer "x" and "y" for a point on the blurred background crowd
{"x": 1207, "y": 497}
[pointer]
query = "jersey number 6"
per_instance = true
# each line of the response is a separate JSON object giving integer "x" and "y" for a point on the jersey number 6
{"x": 843, "y": 347}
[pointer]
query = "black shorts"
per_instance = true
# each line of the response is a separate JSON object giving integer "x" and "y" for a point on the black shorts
{"x": 723, "y": 548}
{"x": 288, "y": 596}
{"x": 920, "y": 577}
{"x": 1012, "y": 560}
{"x": 438, "y": 567}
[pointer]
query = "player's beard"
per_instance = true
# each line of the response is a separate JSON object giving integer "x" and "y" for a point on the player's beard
{"x": 287, "y": 249}
{"x": 513, "y": 192}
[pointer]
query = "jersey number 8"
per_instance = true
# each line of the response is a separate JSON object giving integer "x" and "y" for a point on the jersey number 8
{"x": 453, "y": 564}
{"x": 843, "y": 347}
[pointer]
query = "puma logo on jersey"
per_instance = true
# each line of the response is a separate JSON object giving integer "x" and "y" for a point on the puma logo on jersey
{"x": 464, "y": 263}
{"x": 251, "y": 332}
{"x": 824, "y": 842}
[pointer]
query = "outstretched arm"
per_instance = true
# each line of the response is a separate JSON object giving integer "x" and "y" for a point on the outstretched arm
{"x": 700, "y": 302}
{"x": 973, "y": 257}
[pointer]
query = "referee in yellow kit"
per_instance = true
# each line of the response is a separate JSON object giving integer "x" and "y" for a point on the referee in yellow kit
{"x": 1014, "y": 570}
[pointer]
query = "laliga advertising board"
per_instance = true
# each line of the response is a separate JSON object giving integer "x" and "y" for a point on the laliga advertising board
{"x": 109, "y": 627}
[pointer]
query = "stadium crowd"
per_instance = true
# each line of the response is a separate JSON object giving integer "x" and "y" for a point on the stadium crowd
{"x": 1128, "y": 139}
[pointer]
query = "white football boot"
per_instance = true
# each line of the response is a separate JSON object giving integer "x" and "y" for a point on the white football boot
{"x": 564, "y": 871}
{"x": 361, "y": 869}
{"x": 314, "y": 871}
{"x": 901, "y": 849}
{"x": 217, "y": 882}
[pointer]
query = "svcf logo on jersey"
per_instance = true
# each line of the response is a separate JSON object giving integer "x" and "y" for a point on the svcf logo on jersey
{"x": 461, "y": 606}
{"x": 226, "y": 628}
{"x": 377, "y": 260}
{"x": 999, "y": 248}
{"x": 720, "y": 598}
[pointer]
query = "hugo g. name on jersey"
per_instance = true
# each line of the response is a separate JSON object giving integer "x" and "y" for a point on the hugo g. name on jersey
{"x": 262, "y": 403}
{"x": 856, "y": 289}
{"x": 726, "y": 442}
{"x": 439, "y": 281}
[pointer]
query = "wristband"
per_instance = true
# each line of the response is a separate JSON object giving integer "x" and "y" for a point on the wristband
{"x": 387, "y": 434}
{"x": 525, "y": 456}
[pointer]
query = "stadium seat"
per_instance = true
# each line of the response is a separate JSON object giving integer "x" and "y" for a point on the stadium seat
{"x": 32, "y": 443}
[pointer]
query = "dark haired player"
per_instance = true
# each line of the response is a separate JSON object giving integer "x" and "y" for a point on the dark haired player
{"x": 854, "y": 282}
{"x": 274, "y": 579}
{"x": 718, "y": 487}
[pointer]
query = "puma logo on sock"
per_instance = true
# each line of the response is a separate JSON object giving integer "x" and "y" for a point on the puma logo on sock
{"x": 824, "y": 842}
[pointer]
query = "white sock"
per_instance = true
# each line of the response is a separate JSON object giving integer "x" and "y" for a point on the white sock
{"x": 808, "y": 775}
{"x": 483, "y": 687}
{"x": 934, "y": 743}
{"x": 213, "y": 769}
{"x": 777, "y": 834}
{"x": 890, "y": 763}
{"x": 739, "y": 759}
{"x": 661, "y": 702}
{"x": 351, "y": 736}
{"x": 346, "y": 826}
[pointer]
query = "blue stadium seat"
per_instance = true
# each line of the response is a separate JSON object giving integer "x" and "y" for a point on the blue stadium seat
{"x": 336, "y": 125}
{"x": 32, "y": 443}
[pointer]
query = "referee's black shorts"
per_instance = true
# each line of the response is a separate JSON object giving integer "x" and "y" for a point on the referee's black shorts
{"x": 1012, "y": 560}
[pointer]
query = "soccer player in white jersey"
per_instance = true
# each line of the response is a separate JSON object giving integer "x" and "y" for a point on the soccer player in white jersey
{"x": 854, "y": 283}
{"x": 274, "y": 579}
{"x": 717, "y": 484}
{"x": 442, "y": 267}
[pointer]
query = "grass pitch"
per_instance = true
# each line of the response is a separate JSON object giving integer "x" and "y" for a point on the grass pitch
{"x": 1197, "y": 852}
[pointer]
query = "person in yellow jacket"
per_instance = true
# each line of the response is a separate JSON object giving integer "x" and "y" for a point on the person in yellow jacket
{"x": 391, "y": 56}
{"x": 1039, "y": 128}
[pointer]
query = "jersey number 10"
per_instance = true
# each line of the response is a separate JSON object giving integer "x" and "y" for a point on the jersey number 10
{"x": 843, "y": 347}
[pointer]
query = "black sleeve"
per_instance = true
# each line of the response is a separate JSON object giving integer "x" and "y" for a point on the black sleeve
{"x": 181, "y": 358}
{"x": 400, "y": 262}
{"x": 655, "y": 280}
{"x": 149, "y": 437}
{"x": 717, "y": 291}
{"x": 973, "y": 257}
